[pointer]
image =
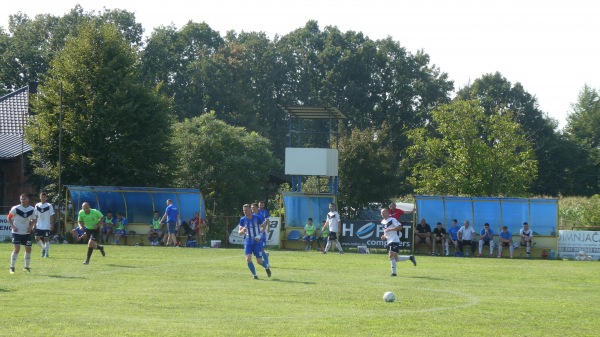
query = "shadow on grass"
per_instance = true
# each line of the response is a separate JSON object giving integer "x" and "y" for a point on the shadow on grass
{"x": 290, "y": 281}
{"x": 427, "y": 278}
{"x": 121, "y": 266}
{"x": 290, "y": 268}
{"x": 6, "y": 290}
{"x": 66, "y": 277}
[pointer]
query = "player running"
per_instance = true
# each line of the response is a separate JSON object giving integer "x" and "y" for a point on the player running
{"x": 390, "y": 227}
{"x": 253, "y": 226}
{"x": 22, "y": 219}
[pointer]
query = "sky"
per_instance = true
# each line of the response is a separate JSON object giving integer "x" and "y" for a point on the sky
{"x": 551, "y": 47}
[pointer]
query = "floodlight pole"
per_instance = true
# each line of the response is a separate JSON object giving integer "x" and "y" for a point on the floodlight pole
{"x": 60, "y": 157}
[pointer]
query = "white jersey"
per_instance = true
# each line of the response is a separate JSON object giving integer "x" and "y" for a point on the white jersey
{"x": 43, "y": 212}
{"x": 22, "y": 217}
{"x": 334, "y": 219}
{"x": 529, "y": 232}
{"x": 467, "y": 233}
{"x": 391, "y": 236}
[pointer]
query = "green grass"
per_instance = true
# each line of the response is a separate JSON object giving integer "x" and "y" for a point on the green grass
{"x": 158, "y": 291}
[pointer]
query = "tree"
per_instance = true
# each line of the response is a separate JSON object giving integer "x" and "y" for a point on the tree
{"x": 229, "y": 164}
{"x": 496, "y": 94}
{"x": 583, "y": 123}
{"x": 471, "y": 153}
{"x": 114, "y": 128}
{"x": 366, "y": 172}
{"x": 582, "y": 130}
{"x": 174, "y": 58}
{"x": 26, "y": 54}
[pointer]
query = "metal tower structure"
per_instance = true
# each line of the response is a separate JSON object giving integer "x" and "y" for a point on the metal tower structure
{"x": 305, "y": 125}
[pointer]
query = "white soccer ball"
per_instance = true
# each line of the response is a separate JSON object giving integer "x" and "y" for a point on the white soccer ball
{"x": 389, "y": 296}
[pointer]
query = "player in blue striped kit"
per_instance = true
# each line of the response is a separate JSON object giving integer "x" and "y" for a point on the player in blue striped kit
{"x": 253, "y": 228}
{"x": 264, "y": 213}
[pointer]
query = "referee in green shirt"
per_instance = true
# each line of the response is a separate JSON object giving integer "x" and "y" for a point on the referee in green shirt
{"x": 90, "y": 219}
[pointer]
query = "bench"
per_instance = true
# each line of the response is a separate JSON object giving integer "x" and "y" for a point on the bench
{"x": 133, "y": 239}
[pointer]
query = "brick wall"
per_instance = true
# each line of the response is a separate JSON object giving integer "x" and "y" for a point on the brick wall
{"x": 12, "y": 184}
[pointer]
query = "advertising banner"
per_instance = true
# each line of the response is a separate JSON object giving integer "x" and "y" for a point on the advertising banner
{"x": 574, "y": 244}
{"x": 5, "y": 231}
{"x": 272, "y": 233}
{"x": 368, "y": 233}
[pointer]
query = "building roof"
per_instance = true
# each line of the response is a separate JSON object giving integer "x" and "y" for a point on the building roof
{"x": 14, "y": 115}
{"x": 12, "y": 146}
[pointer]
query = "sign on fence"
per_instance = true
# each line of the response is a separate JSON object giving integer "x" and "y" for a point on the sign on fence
{"x": 368, "y": 233}
{"x": 272, "y": 233}
{"x": 5, "y": 230}
{"x": 572, "y": 243}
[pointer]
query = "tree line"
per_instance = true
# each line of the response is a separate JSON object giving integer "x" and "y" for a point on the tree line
{"x": 188, "y": 107}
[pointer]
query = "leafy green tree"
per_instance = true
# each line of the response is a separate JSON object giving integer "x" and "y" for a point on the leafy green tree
{"x": 366, "y": 172}
{"x": 582, "y": 131}
{"x": 496, "y": 94}
{"x": 583, "y": 123}
{"x": 471, "y": 153}
{"x": 31, "y": 44}
{"x": 175, "y": 57}
{"x": 228, "y": 164}
{"x": 114, "y": 128}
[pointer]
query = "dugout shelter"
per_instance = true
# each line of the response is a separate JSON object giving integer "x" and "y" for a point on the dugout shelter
{"x": 541, "y": 214}
{"x": 136, "y": 203}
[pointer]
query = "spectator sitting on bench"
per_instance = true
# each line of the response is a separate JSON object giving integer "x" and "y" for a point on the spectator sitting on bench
{"x": 190, "y": 229}
{"x": 108, "y": 223}
{"x": 527, "y": 238}
{"x": 505, "y": 240}
{"x": 156, "y": 233}
{"x": 121, "y": 230}
{"x": 486, "y": 237}
{"x": 439, "y": 236}
{"x": 201, "y": 230}
{"x": 452, "y": 237}
{"x": 199, "y": 226}
{"x": 466, "y": 234}
{"x": 309, "y": 234}
{"x": 79, "y": 234}
{"x": 423, "y": 235}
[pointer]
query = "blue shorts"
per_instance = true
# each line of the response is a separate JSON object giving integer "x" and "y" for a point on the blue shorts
{"x": 310, "y": 238}
{"x": 253, "y": 247}
{"x": 172, "y": 227}
{"x": 121, "y": 232}
{"x": 106, "y": 229}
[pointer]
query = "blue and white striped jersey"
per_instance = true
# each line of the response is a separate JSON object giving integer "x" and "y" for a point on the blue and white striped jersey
{"x": 252, "y": 226}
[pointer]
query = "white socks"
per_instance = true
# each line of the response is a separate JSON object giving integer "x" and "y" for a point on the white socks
{"x": 13, "y": 259}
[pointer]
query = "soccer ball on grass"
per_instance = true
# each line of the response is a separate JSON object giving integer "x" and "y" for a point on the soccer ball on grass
{"x": 389, "y": 296}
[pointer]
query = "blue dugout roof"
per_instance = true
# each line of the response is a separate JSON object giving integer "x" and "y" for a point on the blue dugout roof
{"x": 137, "y": 203}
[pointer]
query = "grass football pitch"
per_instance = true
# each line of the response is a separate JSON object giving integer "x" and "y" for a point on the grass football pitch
{"x": 159, "y": 291}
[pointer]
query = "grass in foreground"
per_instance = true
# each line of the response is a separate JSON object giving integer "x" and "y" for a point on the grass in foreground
{"x": 152, "y": 291}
